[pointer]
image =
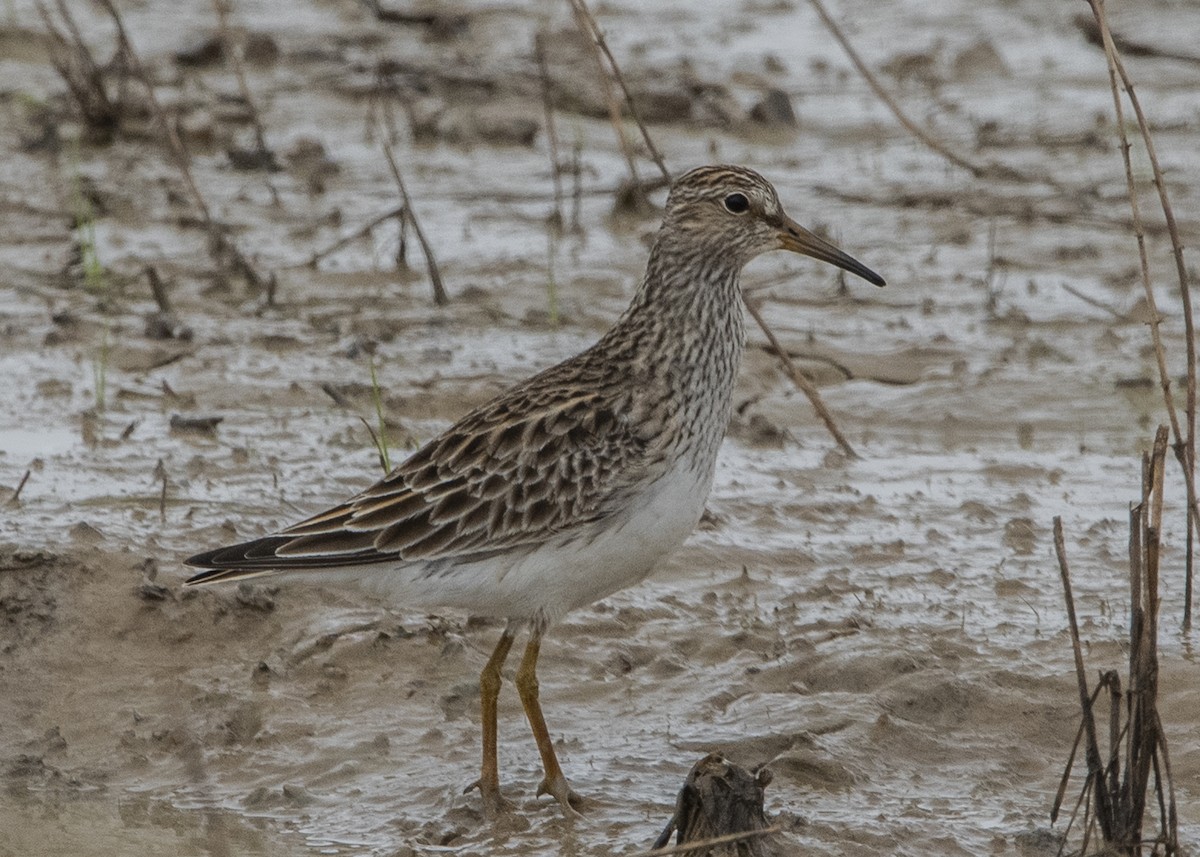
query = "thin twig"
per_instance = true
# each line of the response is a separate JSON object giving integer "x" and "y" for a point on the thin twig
{"x": 577, "y": 186}
{"x": 159, "y": 290}
{"x": 700, "y": 844}
{"x": 75, "y": 64}
{"x": 16, "y": 494}
{"x": 597, "y": 36}
{"x": 583, "y": 19}
{"x": 799, "y": 380}
{"x": 351, "y": 237}
{"x": 435, "y": 277}
{"x": 976, "y": 169}
{"x": 239, "y": 70}
{"x": 174, "y": 143}
{"x": 1104, "y": 812}
{"x": 539, "y": 53}
{"x": 1079, "y": 800}
{"x": 1185, "y": 447}
{"x": 1066, "y": 777}
{"x": 1098, "y": 304}
{"x": 221, "y": 246}
{"x": 160, "y": 472}
{"x": 1171, "y": 819}
{"x": 338, "y": 396}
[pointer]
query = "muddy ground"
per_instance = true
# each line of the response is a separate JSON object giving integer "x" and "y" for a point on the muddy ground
{"x": 886, "y": 632}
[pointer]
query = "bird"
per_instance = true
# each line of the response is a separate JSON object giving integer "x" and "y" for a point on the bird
{"x": 574, "y": 483}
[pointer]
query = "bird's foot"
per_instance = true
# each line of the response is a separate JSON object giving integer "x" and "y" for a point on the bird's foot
{"x": 495, "y": 805}
{"x": 561, "y": 790}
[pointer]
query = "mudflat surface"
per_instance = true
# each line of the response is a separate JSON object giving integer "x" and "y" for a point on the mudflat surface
{"x": 886, "y": 632}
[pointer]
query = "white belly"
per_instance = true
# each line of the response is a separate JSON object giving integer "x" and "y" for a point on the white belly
{"x": 561, "y": 575}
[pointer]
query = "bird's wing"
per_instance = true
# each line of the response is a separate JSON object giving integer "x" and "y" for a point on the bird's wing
{"x": 532, "y": 464}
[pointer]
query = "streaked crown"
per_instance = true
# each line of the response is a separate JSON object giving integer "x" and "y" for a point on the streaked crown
{"x": 727, "y": 208}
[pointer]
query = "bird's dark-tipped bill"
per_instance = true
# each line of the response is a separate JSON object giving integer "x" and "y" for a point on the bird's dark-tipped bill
{"x": 794, "y": 237}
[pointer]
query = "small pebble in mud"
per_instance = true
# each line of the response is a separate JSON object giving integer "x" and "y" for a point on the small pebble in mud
{"x": 980, "y": 61}
{"x": 161, "y": 325}
{"x": 772, "y": 64}
{"x": 261, "y": 674}
{"x": 198, "y": 425}
{"x": 297, "y": 795}
{"x": 775, "y": 109}
{"x": 307, "y": 159}
{"x": 85, "y": 533}
{"x": 257, "y": 598}
{"x": 260, "y": 49}
{"x": 257, "y": 799}
{"x": 151, "y": 591}
{"x": 203, "y": 50}
{"x": 1020, "y": 536}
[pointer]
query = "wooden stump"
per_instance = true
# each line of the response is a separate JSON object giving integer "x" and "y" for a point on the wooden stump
{"x": 718, "y": 799}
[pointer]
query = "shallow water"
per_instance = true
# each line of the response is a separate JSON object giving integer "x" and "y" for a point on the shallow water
{"x": 887, "y": 632}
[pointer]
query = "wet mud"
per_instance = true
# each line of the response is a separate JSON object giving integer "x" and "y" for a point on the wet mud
{"x": 886, "y": 633}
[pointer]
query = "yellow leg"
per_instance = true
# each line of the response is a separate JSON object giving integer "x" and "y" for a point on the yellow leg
{"x": 554, "y": 783}
{"x": 489, "y": 692}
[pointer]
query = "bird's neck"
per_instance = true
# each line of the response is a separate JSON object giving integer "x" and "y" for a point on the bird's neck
{"x": 683, "y": 334}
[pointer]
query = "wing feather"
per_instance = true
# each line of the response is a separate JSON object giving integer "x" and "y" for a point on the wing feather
{"x": 534, "y": 464}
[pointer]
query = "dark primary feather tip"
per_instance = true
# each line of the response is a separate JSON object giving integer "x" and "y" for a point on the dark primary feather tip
{"x": 213, "y": 575}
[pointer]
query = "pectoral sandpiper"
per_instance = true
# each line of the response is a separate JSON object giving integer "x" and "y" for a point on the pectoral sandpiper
{"x": 575, "y": 483}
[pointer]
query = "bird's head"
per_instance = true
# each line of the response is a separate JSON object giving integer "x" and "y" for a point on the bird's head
{"x": 736, "y": 211}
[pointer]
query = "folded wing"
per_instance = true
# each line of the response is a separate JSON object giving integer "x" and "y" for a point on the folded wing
{"x": 516, "y": 472}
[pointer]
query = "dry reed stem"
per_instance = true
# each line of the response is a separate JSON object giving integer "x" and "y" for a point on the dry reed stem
{"x": 539, "y": 53}
{"x": 159, "y": 290}
{"x": 1184, "y": 447}
{"x": 586, "y": 25}
{"x": 1080, "y": 802}
{"x": 1144, "y": 737}
{"x": 351, "y": 237}
{"x": 221, "y": 247}
{"x": 725, "y": 839}
{"x": 16, "y": 494}
{"x": 976, "y": 169}
{"x": 435, "y": 278}
{"x": 1170, "y": 812}
{"x": 577, "y": 187}
{"x": 1098, "y": 304}
{"x": 1091, "y": 747}
{"x": 160, "y": 472}
{"x": 73, "y": 61}
{"x": 800, "y": 381}
{"x": 593, "y": 30}
{"x": 1119, "y": 797}
{"x": 221, "y": 7}
{"x": 1066, "y": 777}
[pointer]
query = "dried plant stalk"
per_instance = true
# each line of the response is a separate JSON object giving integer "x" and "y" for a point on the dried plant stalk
{"x": 797, "y": 377}
{"x": 1184, "y": 446}
{"x": 264, "y": 153}
{"x": 539, "y": 53}
{"x": 592, "y": 30}
{"x": 220, "y": 246}
{"x": 1114, "y": 794}
{"x": 934, "y": 144}
{"x": 435, "y": 277}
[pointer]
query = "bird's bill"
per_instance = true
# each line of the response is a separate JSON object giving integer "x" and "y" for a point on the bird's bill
{"x": 794, "y": 237}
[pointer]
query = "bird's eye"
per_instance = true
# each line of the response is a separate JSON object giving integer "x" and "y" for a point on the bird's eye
{"x": 737, "y": 203}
